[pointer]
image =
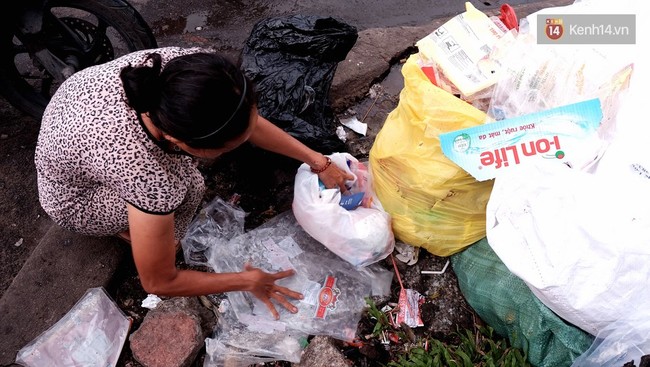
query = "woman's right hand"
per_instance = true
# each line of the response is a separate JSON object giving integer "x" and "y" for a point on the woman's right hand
{"x": 262, "y": 286}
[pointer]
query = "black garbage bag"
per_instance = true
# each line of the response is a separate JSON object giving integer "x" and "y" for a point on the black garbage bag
{"x": 292, "y": 60}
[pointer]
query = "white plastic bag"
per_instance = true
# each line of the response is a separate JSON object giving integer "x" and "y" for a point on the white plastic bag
{"x": 580, "y": 240}
{"x": 617, "y": 344}
{"x": 361, "y": 236}
{"x": 92, "y": 333}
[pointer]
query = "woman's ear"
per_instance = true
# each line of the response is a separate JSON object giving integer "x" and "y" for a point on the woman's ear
{"x": 171, "y": 139}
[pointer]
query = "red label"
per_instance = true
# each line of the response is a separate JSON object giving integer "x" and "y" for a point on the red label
{"x": 327, "y": 297}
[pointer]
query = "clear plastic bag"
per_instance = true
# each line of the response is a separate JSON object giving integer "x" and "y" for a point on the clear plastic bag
{"x": 215, "y": 225}
{"x": 92, "y": 333}
{"x": 617, "y": 344}
{"x": 537, "y": 77}
{"x": 334, "y": 290}
{"x": 282, "y": 244}
{"x": 234, "y": 345}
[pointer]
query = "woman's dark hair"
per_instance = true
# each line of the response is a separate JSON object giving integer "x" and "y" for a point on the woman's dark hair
{"x": 202, "y": 99}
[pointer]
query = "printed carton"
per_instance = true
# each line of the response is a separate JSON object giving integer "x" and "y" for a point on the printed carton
{"x": 565, "y": 134}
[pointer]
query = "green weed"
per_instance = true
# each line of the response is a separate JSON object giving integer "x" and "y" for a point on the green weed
{"x": 480, "y": 347}
{"x": 476, "y": 348}
{"x": 382, "y": 320}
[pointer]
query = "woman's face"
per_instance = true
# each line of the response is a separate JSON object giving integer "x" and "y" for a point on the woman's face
{"x": 227, "y": 147}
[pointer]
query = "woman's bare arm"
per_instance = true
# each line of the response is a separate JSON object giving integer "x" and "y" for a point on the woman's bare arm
{"x": 154, "y": 253}
{"x": 272, "y": 138}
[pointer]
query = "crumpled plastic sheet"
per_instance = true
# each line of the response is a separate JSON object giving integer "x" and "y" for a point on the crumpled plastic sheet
{"x": 334, "y": 292}
{"x": 92, "y": 333}
{"x": 235, "y": 345}
{"x": 216, "y": 223}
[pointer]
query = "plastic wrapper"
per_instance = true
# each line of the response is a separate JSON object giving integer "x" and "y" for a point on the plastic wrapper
{"x": 215, "y": 225}
{"x": 433, "y": 202}
{"x": 334, "y": 292}
{"x": 234, "y": 345}
{"x": 566, "y": 135}
{"x": 92, "y": 333}
{"x": 361, "y": 235}
{"x": 292, "y": 61}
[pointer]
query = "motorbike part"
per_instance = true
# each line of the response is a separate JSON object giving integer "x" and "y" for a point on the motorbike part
{"x": 73, "y": 35}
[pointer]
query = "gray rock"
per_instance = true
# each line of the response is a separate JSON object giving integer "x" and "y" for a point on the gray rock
{"x": 322, "y": 352}
{"x": 171, "y": 335}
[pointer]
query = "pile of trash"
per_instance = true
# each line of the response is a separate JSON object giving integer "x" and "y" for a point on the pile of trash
{"x": 518, "y": 157}
{"x": 523, "y": 163}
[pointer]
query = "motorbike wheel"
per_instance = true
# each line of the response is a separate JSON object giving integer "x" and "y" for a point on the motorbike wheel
{"x": 106, "y": 29}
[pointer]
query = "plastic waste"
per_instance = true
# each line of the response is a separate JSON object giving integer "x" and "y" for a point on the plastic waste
{"x": 553, "y": 76}
{"x": 92, "y": 333}
{"x": 433, "y": 203}
{"x": 406, "y": 253}
{"x": 234, "y": 344}
{"x": 623, "y": 341}
{"x": 214, "y": 225}
{"x": 564, "y": 135}
{"x": 334, "y": 292}
{"x": 592, "y": 267}
{"x": 509, "y": 17}
{"x": 151, "y": 301}
{"x": 361, "y": 235}
{"x": 585, "y": 256}
{"x": 463, "y": 48}
{"x": 292, "y": 60}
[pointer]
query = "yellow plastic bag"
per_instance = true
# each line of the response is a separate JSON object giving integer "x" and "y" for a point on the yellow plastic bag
{"x": 434, "y": 203}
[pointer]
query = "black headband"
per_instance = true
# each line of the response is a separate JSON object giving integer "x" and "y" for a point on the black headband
{"x": 241, "y": 102}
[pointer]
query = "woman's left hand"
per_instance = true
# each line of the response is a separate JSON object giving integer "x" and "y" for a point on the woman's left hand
{"x": 334, "y": 176}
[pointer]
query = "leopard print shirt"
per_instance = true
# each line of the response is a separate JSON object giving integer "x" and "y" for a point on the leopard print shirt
{"x": 94, "y": 156}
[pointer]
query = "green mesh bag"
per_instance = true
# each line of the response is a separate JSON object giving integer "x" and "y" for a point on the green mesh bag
{"x": 505, "y": 303}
